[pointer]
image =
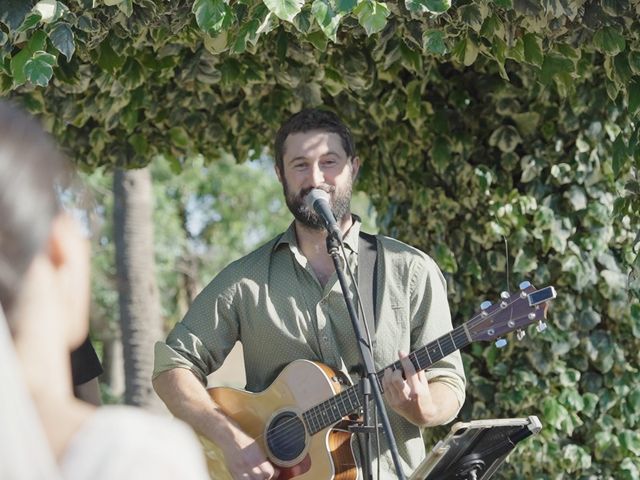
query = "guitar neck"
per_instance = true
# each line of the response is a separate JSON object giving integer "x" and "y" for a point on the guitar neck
{"x": 348, "y": 401}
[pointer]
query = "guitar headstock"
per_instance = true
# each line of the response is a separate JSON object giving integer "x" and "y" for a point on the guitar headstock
{"x": 514, "y": 311}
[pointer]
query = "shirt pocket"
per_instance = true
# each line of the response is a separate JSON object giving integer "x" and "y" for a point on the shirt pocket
{"x": 392, "y": 334}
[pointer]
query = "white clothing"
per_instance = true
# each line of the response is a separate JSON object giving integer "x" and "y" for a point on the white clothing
{"x": 24, "y": 451}
{"x": 121, "y": 443}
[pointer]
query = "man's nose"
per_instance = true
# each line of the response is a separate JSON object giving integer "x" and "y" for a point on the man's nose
{"x": 317, "y": 176}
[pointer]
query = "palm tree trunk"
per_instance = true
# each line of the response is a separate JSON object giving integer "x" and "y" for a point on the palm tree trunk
{"x": 139, "y": 301}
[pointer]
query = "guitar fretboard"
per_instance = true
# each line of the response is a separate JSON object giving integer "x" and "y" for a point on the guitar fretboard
{"x": 348, "y": 401}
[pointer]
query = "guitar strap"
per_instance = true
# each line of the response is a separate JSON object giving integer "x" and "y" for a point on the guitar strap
{"x": 368, "y": 278}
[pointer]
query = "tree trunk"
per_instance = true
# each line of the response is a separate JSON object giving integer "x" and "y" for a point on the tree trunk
{"x": 137, "y": 289}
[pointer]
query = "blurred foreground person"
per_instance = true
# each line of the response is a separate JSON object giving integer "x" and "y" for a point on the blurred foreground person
{"x": 44, "y": 292}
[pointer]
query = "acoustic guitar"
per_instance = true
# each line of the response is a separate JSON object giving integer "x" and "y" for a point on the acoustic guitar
{"x": 301, "y": 419}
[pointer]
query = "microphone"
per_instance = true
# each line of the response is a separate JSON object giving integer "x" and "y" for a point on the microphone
{"x": 318, "y": 200}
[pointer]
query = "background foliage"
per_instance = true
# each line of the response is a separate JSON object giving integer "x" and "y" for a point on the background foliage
{"x": 478, "y": 122}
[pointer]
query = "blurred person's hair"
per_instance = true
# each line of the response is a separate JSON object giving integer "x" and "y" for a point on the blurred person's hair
{"x": 31, "y": 168}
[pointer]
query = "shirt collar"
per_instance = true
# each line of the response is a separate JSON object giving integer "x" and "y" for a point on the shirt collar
{"x": 350, "y": 240}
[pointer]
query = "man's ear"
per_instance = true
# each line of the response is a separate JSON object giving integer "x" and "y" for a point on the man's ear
{"x": 278, "y": 173}
{"x": 355, "y": 167}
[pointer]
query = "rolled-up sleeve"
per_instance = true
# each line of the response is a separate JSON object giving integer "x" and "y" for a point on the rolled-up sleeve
{"x": 204, "y": 337}
{"x": 430, "y": 320}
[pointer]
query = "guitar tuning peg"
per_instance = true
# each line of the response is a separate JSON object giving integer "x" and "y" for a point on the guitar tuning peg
{"x": 484, "y": 305}
{"x": 541, "y": 327}
{"x": 504, "y": 295}
{"x": 520, "y": 334}
{"x": 501, "y": 343}
{"x": 524, "y": 285}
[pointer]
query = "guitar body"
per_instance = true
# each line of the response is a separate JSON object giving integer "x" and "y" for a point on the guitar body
{"x": 298, "y": 455}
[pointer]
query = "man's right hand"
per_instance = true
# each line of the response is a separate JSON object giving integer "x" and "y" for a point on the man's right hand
{"x": 245, "y": 459}
{"x": 188, "y": 400}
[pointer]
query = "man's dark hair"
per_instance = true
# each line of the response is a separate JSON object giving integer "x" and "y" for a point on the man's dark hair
{"x": 313, "y": 119}
{"x": 30, "y": 167}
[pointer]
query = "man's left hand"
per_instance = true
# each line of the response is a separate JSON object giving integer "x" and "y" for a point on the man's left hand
{"x": 410, "y": 396}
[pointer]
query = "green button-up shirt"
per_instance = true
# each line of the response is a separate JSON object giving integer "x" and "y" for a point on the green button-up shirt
{"x": 272, "y": 302}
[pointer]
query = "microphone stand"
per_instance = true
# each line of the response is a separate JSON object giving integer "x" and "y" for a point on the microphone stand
{"x": 369, "y": 377}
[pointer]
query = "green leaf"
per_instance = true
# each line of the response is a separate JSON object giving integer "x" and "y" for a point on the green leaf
{"x": 631, "y": 441}
{"x": 372, "y": 15}
{"x": 440, "y": 154}
{"x": 212, "y": 16}
{"x": 247, "y": 33}
{"x": 432, "y": 6}
{"x": 471, "y": 16}
{"x": 17, "y": 66}
{"x": 527, "y": 122}
{"x": 634, "y": 62}
{"x": 533, "y": 49}
{"x": 555, "y": 65}
{"x": 140, "y": 144}
{"x": 319, "y": 40}
{"x": 231, "y": 71}
{"x": 621, "y": 69}
{"x": 465, "y": 51}
{"x": 108, "y": 59}
{"x": 216, "y": 43}
{"x": 285, "y": 9}
{"x": 609, "y": 41}
{"x": 132, "y": 75}
{"x": 504, "y": 3}
{"x": 531, "y": 8}
{"x": 30, "y": 21}
{"x": 620, "y": 156}
{"x": 433, "y": 42}
{"x": 345, "y": 6}
{"x": 524, "y": 262}
{"x": 506, "y": 138}
{"x": 61, "y": 37}
{"x": 414, "y": 101}
{"x": 38, "y": 41}
{"x": 635, "y": 327}
{"x": 445, "y": 258}
{"x": 179, "y": 137}
{"x": 39, "y": 69}
{"x": 126, "y": 7}
{"x": 327, "y": 18}
{"x": 492, "y": 26}
{"x": 14, "y": 13}
{"x": 588, "y": 319}
{"x": 633, "y": 90}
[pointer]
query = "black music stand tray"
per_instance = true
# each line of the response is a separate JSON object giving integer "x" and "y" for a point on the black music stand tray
{"x": 474, "y": 450}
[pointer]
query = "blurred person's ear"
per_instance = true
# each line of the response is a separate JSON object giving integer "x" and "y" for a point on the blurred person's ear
{"x": 68, "y": 253}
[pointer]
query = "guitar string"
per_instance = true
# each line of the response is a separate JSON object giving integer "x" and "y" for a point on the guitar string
{"x": 281, "y": 430}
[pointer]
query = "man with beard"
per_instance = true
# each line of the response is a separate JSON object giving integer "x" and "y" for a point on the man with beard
{"x": 284, "y": 303}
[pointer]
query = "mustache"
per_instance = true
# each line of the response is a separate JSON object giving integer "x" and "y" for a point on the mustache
{"x": 326, "y": 188}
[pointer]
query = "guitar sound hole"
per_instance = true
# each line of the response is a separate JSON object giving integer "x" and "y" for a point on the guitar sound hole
{"x": 286, "y": 436}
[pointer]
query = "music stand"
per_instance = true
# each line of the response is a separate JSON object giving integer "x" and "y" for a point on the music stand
{"x": 474, "y": 450}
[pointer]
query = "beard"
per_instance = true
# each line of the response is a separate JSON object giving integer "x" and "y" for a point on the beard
{"x": 339, "y": 201}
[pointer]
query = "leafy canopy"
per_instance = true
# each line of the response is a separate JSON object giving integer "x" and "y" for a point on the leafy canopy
{"x": 479, "y": 122}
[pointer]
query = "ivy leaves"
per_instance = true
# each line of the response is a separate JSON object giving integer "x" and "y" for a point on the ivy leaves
{"x": 47, "y": 35}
